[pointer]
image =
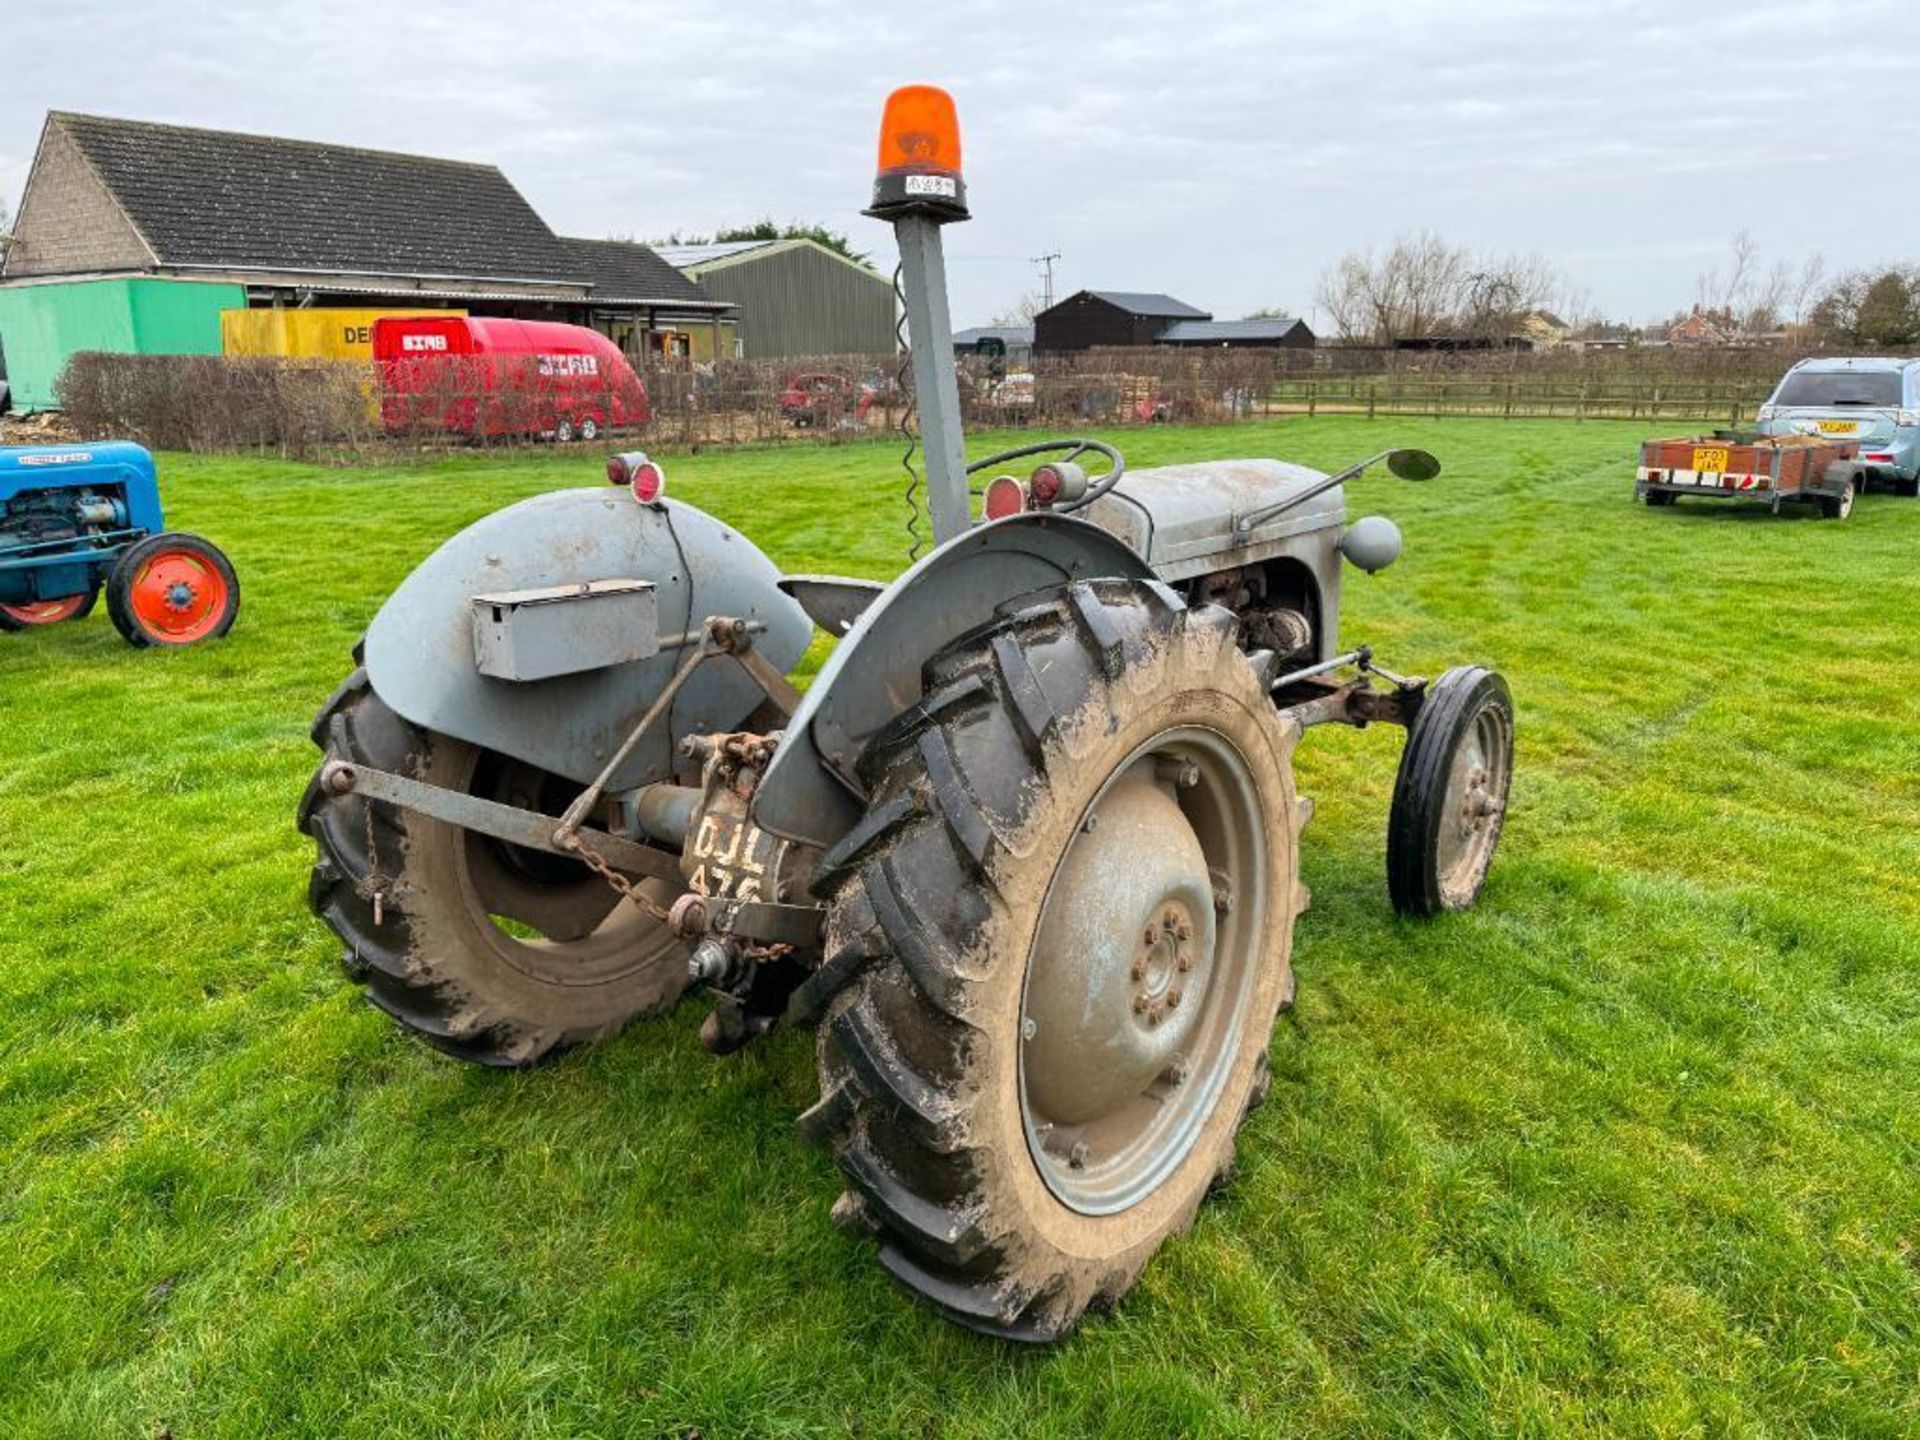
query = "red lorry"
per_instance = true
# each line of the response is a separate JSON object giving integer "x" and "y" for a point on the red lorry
{"x": 468, "y": 375}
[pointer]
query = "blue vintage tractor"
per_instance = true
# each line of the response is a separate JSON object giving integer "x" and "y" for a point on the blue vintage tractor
{"x": 77, "y": 519}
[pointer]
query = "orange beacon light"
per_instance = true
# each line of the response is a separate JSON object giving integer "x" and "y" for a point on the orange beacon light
{"x": 918, "y": 171}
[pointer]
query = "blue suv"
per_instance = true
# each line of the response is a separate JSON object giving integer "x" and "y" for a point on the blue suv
{"x": 1873, "y": 402}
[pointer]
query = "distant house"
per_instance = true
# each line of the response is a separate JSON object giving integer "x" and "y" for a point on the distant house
{"x": 1109, "y": 317}
{"x": 795, "y": 297}
{"x": 1700, "y": 328}
{"x": 135, "y": 237}
{"x": 1280, "y": 332}
{"x": 1017, "y": 340}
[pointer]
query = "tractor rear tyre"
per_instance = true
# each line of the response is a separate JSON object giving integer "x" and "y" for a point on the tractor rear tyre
{"x": 48, "y": 612}
{"x": 488, "y": 951}
{"x": 1450, "y": 797}
{"x": 1057, "y": 943}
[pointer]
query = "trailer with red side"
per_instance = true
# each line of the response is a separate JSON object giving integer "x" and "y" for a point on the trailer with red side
{"x": 1773, "y": 470}
{"x": 481, "y": 376}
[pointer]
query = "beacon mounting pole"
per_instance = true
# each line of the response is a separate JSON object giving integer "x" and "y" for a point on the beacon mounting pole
{"x": 918, "y": 187}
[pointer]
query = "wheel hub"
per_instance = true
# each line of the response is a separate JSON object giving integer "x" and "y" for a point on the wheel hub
{"x": 1112, "y": 970}
{"x": 1140, "y": 970}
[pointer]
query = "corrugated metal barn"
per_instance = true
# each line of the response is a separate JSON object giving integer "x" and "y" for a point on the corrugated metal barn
{"x": 795, "y": 297}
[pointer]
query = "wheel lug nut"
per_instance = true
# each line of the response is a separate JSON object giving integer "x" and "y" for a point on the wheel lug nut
{"x": 1173, "y": 999}
{"x": 1151, "y": 935}
{"x": 1140, "y": 1003}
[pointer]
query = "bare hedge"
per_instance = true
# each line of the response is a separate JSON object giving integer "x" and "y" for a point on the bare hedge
{"x": 332, "y": 409}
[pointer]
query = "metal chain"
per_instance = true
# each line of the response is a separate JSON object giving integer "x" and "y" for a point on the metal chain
{"x": 626, "y": 888}
{"x": 372, "y": 886}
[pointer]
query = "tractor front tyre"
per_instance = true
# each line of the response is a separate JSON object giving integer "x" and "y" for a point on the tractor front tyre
{"x": 172, "y": 589}
{"x": 1057, "y": 943}
{"x": 1450, "y": 797}
{"x": 38, "y": 613}
{"x": 488, "y": 951}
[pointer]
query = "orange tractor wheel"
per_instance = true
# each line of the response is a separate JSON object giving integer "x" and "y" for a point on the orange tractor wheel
{"x": 173, "y": 589}
{"x": 47, "y": 612}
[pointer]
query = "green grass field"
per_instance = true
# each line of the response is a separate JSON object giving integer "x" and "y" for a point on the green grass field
{"x": 1629, "y": 1149}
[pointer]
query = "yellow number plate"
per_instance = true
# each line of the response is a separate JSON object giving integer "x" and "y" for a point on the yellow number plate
{"x": 1839, "y": 427}
{"x": 1710, "y": 459}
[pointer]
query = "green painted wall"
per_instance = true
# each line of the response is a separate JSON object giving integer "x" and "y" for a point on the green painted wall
{"x": 42, "y": 325}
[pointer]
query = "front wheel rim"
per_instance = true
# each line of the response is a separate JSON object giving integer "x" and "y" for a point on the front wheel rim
{"x": 178, "y": 597}
{"x": 1144, "y": 962}
{"x": 1475, "y": 801}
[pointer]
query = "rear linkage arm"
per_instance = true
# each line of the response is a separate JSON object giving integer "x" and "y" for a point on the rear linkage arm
{"x": 611, "y": 856}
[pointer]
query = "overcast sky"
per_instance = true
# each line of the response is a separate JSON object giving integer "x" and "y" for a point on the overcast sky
{"x": 1223, "y": 152}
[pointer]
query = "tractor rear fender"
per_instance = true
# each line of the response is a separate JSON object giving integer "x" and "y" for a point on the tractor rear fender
{"x": 420, "y": 651}
{"x": 811, "y": 793}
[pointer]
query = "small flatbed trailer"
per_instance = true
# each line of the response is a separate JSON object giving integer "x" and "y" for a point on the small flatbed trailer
{"x": 1744, "y": 465}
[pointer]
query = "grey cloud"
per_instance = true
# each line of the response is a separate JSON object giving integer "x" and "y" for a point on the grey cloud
{"x": 1221, "y": 151}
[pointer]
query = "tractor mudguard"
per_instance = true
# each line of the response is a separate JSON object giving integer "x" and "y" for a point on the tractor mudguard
{"x": 420, "y": 654}
{"x": 810, "y": 793}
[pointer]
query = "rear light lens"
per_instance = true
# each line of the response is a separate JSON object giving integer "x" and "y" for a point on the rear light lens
{"x": 648, "y": 481}
{"x": 1878, "y": 455}
{"x": 642, "y": 476}
{"x": 1057, "y": 481}
{"x": 1005, "y": 496}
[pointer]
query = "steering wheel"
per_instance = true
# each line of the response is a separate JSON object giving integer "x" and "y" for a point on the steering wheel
{"x": 1074, "y": 448}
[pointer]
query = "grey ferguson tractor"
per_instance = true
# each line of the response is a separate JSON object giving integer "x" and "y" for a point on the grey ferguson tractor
{"x": 1025, "y": 854}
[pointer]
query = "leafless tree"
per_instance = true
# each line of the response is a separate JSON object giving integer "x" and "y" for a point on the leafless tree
{"x": 1807, "y": 287}
{"x": 1021, "y": 312}
{"x": 1422, "y": 286}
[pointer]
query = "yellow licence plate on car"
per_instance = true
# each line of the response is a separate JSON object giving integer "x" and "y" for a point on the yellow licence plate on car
{"x": 1839, "y": 427}
{"x": 1713, "y": 459}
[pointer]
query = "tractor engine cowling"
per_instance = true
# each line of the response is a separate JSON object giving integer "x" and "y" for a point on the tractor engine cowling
{"x": 1282, "y": 577}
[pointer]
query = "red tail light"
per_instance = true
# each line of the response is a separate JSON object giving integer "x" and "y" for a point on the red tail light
{"x": 1004, "y": 497}
{"x": 642, "y": 476}
{"x": 648, "y": 481}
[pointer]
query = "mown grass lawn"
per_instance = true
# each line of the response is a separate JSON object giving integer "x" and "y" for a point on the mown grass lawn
{"x": 1630, "y": 1149}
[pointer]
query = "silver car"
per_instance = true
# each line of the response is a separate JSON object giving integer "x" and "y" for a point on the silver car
{"x": 1873, "y": 402}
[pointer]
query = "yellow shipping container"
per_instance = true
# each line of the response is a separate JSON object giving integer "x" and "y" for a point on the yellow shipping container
{"x": 309, "y": 334}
